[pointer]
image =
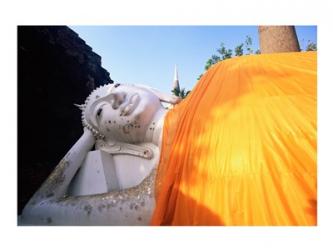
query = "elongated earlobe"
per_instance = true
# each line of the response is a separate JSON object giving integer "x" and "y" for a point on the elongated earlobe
{"x": 80, "y": 106}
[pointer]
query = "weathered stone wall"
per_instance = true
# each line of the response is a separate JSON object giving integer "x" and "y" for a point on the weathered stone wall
{"x": 56, "y": 68}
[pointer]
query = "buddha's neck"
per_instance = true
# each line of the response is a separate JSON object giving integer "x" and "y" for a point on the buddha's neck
{"x": 155, "y": 128}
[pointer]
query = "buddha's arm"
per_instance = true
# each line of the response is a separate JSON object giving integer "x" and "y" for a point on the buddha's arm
{"x": 133, "y": 206}
{"x": 55, "y": 186}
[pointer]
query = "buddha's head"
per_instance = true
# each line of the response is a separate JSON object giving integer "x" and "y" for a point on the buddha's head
{"x": 121, "y": 112}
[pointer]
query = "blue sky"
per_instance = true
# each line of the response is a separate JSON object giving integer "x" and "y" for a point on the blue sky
{"x": 148, "y": 54}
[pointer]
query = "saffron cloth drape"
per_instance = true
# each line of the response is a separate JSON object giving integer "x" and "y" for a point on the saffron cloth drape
{"x": 241, "y": 148}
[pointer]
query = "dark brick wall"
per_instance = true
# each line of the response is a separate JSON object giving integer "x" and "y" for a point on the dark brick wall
{"x": 56, "y": 68}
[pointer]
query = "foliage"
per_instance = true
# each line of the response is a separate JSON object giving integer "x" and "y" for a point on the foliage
{"x": 182, "y": 93}
{"x": 311, "y": 46}
{"x": 214, "y": 59}
{"x": 225, "y": 53}
{"x": 248, "y": 45}
{"x": 239, "y": 51}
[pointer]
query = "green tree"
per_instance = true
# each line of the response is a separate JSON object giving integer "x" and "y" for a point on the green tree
{"x": 224, "y": 52}
{"x": 209, "y": 63}
{"x": 182, "y": 93}
{"x": 214, "y": 59}
{"x": 311, "y": 46}
{"x": 239, "y": 50}
{"x": 248, "y": 45}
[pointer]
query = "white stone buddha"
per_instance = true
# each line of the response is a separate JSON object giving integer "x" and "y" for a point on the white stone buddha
{"x": 113, "y": 184}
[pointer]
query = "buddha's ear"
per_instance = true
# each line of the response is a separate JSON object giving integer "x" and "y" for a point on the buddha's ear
{"x": 164, "y": 97}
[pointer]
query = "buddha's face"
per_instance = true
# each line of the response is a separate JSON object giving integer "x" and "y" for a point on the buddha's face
{"x": 125, "y": 113}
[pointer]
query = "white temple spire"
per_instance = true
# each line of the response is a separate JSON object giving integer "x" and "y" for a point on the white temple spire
{"x": 175, "y": 79}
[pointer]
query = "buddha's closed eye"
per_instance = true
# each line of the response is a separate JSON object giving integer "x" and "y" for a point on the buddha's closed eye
{"x": 99, "y": 112}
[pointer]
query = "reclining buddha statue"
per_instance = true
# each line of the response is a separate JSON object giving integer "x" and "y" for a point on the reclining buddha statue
{"x": 240, "y": 149}
{"x": 114, "y": 184}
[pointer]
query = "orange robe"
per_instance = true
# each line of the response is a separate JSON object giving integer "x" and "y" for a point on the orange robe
{"x": 241, "y": 149}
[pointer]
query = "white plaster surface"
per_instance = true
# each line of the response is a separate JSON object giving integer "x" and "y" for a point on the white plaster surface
{"x": 96, "y": 175}
{"x": 102, "y": 172}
